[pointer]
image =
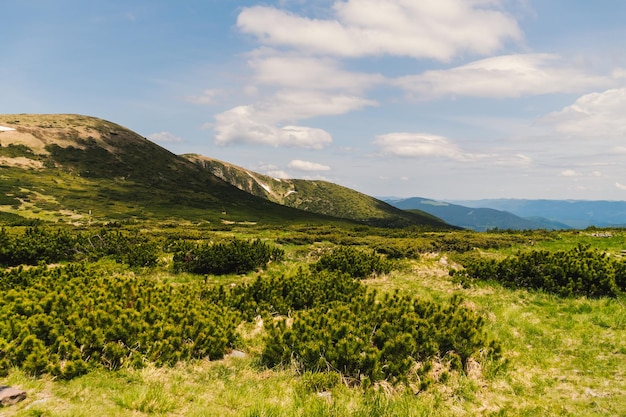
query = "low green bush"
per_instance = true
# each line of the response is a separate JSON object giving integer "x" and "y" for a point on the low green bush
{"x": 394, "y": 339}
{"x": 235, "y": 257}
{"x": 66, "y": 320}
{"x": 353, "y": 262}
{"x": 581, "y": 271}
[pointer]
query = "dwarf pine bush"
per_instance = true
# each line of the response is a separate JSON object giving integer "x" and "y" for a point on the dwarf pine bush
{"x": 353, "y": 262}
{"x": 235, "y": 257}
{"x": 581, "y": 271}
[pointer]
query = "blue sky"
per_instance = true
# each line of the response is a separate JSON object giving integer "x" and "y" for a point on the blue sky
{"x": 446, "y": 99}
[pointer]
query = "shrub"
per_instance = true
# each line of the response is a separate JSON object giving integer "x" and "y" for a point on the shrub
{"x": 579, "y": 271}
{"x": 235, "y": 257}
{"x": 69, "y": 319}
{"x": 368, "y": 340}
{"x": 354, "y": 262}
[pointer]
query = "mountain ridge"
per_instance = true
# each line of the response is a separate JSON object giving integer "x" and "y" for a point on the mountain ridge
{"x": 315, "y": 196}
{"x": 62, "y": 167}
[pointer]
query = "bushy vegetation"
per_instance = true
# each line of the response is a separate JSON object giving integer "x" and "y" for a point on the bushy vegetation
{"x": 351, "y": 261}
{"x": 575, "y": 272}
{"x": 66, "y": 320}
{"x": 235, "y": 257}
{"x": 39, "y": 244}
{"x": 369, "y": 340}
{"x": 270, "y": 296}
{"x": 76, "y": 311}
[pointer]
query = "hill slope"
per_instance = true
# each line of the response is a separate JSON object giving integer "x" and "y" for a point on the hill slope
{"x": 316, "y": 196}
{"x": 74, "y": 168}
{"x": 79, "y": 168}
{"x": 479, "y": 219}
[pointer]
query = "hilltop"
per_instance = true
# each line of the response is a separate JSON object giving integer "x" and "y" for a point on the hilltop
{"x": 79, "y": 168}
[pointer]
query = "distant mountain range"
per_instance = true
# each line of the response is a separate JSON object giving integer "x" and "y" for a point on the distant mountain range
{"x": 577, "y": 214}
{"x": 520, "y": 214}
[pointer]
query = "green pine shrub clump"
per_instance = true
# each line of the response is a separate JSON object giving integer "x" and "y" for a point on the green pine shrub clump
{"x": 368, "y": 340}
{"x": 38, "y": 244}
{"x": 351, "y": 261}
{"x": 270, "y": 296}
{"x": 581, "y": 271}
{"x": 235, "y": 257}
{"x": 67, "y": 320}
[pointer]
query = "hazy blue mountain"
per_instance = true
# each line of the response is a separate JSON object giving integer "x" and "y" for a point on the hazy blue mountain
{"x": 577, "y": 214}
{"x": 478, "y": 218}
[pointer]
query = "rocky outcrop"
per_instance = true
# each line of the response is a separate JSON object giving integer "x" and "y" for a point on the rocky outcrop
{"x": 10, "y": 396}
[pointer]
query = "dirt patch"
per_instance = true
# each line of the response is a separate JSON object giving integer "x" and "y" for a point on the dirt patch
{"x": 21, "y": 162}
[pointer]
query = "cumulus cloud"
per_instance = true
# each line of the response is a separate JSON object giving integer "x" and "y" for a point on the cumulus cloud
{"x": 418, "y": 145}
{"x": 307, "y": 166}
{"x": 239, "y": 125}
{"x": 306, "y": 72}
{"x": 502, "y": 77}
{"x": 164, "y": 137}
{"x": 420, "y": 29}
{"x": 593, "y": 115}
{"x": 268, "y": 122}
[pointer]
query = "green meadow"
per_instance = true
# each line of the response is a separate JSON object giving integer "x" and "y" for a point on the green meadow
{"x": 477, "y": 346}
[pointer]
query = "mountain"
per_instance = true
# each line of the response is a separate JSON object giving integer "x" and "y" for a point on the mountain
{"x": 77, "y": 168}
{"x": 577, "y": 214}
{"x": 320, "y": 197}
{"x": 479, "y": 219}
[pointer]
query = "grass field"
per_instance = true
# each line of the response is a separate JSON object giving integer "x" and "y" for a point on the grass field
{"x": 561, "y": 356}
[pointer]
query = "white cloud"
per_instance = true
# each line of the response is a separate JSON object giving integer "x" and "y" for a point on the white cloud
{"x": 568, "y": 173}
{"x": 239, "y": 125}
{"x": 417, "y": 145}
{"x": 207, "y": 97}
{"x": 620, "y": 186}
{"x": 593, "y": 115}
{"x": 502, "y": 77}
{"x": 307, "y": 166}
{"x": 278, "y": 174}
{"x": 164, "y": 137}
{"x": 518, "y": 160}
{"x": 310, "y": 73}
{"x": 439, "y": 29}
{"x": 270, "y": 122}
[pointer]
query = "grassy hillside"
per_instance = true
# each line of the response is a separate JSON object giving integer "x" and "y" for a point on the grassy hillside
{"x": 317, "y": 196}
{"x": 83, "y": 169}
{"x": 79, "y": 169}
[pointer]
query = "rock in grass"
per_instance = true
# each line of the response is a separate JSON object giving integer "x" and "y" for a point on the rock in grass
{"x": 10, "y": 396}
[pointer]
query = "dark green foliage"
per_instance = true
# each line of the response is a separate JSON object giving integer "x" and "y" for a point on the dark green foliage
{"x": 38, "y": 244}
{"x": 283, "y": 295}
{"x": 581, "y": 271}
{"x": 371, "y": 340}
{"x": 235, "y": 257}
{"x": 33, "y": 246}
{"x": 132, "y": 249}
{"x": 353, "y": 262}
{"x": 68, "y": 319}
